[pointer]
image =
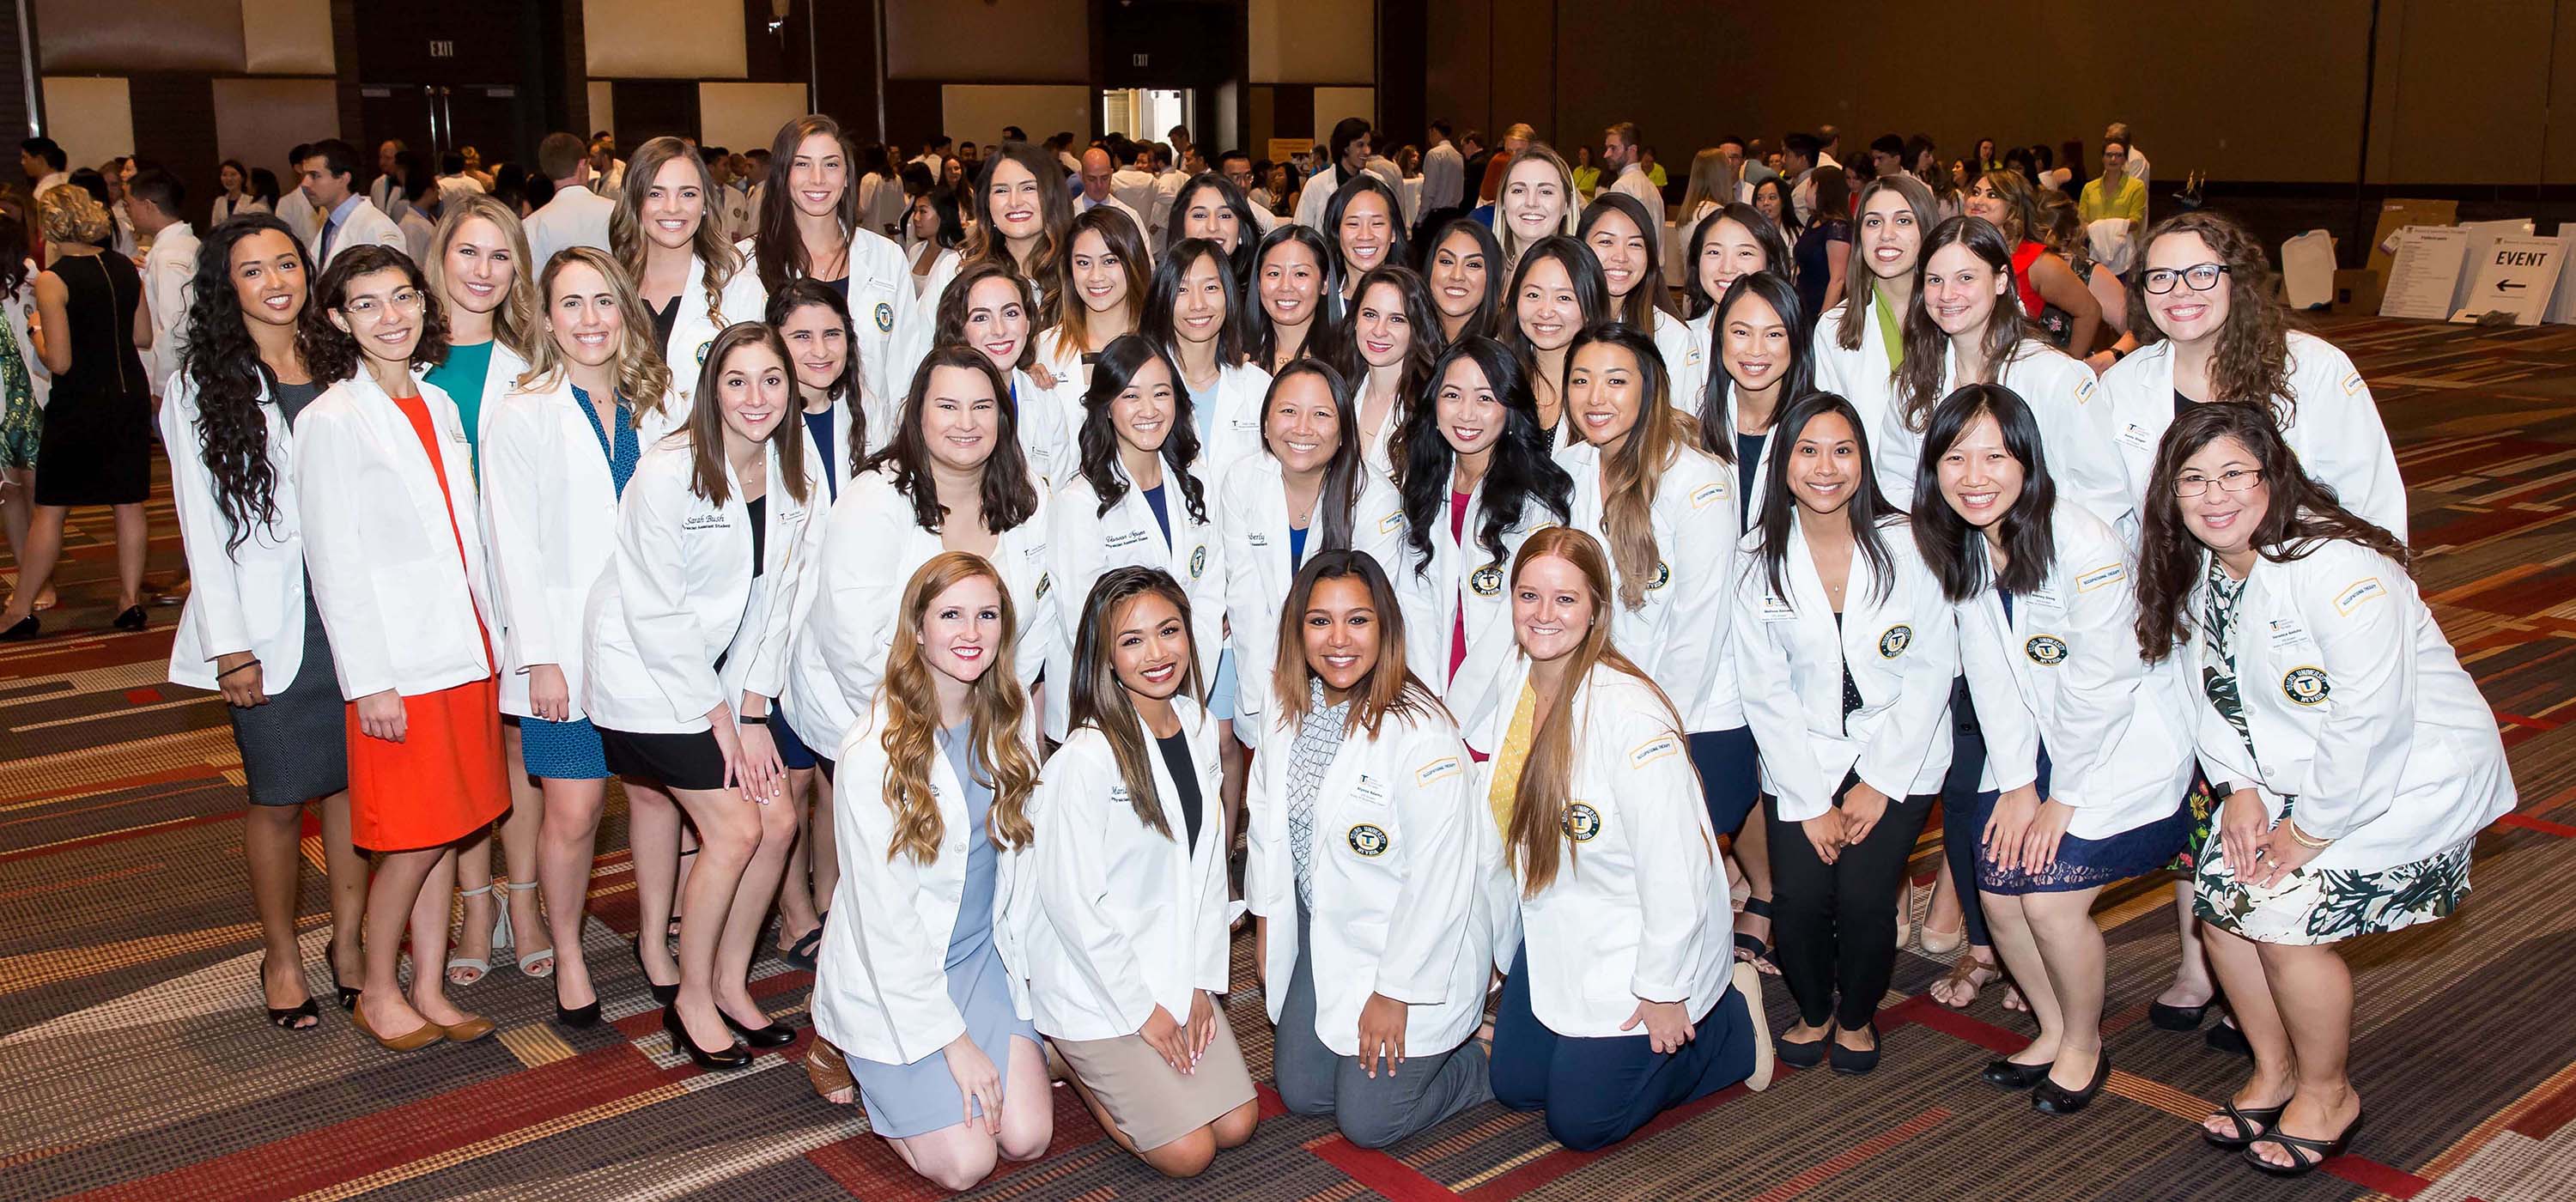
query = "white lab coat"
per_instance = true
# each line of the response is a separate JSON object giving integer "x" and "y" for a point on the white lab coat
{"x": 576, "y": 216}
{"x": 679, "y": 595}
{"x": 1125, "y": 919}
{"x": 1863, "y": 376}
{"x": 1459, "y": 580}
{"x": 1083, "y": 543}
{"x": 2356, "y": 707}
{"x": 2335, "y": 430}
{"x": 1638, "y": 910}
{"x": 246, "y": 598}
{"x": 401, "y": 609}
{"x": 1251, "y": 507}
{"x": 1235, "y": 434}
{"x": 2064, "y": 671}
{"x": 883, "y": 311}
{"x": 881, "y": 989}
{"x": 1679, "y": 635}
{"x": 693, "y": 332}
{"x": 1397, "y": 864}
{"x": 870, "y": 548}
{"x": 1690, "y": 359}
{"x": 550, "y": 515}
{"x": 1045, "y": 440}
{"x": 2074, "y": 430}
{"x": 1903, "y": 651}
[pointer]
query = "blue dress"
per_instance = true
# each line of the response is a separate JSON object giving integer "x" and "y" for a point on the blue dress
{"x": 571, "y": 750}
{"x": 905, "y": 1100}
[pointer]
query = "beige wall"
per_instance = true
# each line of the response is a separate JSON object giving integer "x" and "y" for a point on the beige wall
{"x": 740, "y": 116}
{"x": 1333, "y": 104}
{"x": 287, "y": 37}
{"x": 977, "y": 112}
{"x": 1313, "y": 41}
{"x": 989, "y": 41}
{"x": 603, "y": 107}
{"x": 92, "y": 116}
{"x": 663, "y": 39}
{"x": 2240, "y": 91}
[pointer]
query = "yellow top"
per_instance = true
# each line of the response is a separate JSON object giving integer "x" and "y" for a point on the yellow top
{"x": 1512, "y": 758}
{"x": 2098, "y": 202}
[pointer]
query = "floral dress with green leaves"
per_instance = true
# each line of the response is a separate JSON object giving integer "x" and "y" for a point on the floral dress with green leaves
{"x": 2309, "y": 906}
{"x": 22, "y": 424}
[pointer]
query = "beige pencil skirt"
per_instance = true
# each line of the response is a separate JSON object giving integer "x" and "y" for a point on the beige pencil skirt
{"x": 1152, "y": 1104}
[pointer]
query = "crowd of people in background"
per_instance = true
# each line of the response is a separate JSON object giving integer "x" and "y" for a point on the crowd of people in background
{"x": 1539, "y": 596}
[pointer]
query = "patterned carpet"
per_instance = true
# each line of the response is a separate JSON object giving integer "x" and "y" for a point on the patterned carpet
{"x": 137, "y": 1066}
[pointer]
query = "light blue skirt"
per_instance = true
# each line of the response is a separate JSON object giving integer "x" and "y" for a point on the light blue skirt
{"x": 905, "y": 1100}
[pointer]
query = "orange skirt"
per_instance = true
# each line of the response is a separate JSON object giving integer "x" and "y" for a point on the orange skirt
{"x": 441, "y": 783}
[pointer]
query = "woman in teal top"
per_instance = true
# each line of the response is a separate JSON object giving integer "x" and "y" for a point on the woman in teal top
{"x": 478, "y": 266}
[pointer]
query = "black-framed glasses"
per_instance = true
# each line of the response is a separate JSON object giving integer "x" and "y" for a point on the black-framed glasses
{"x": 2202, "y": 277}
{"x": 2236, "y": 479}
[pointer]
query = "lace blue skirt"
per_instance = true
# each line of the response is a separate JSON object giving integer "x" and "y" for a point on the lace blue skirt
{"x": 2087, "y": 863}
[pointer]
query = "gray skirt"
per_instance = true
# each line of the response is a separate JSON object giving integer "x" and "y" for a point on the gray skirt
{"x": 296, "y": 748}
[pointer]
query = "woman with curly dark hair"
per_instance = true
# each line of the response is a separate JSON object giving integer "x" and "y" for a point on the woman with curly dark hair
{"x": 2357, "y": 758}
{"x": 250, "y": 629}
{"x": 385, "y": 498}
{"x": 2215, "y": 329}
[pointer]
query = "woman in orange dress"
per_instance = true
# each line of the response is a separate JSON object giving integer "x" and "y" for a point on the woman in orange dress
{"x": 385, "y": 490}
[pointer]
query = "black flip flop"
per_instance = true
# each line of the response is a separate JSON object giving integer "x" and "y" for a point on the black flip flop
{"x": 2244, "y": 1121}
{"x": 804, "y": 954}
{"x": 2309, "y": 1153}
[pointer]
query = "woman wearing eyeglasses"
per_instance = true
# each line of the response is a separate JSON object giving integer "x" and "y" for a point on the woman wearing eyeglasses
{"x": 2357, "y": 757}
{"x": 2216, "y": 330}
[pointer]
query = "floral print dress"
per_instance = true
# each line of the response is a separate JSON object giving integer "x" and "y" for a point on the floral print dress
{"x": 2309, "y": 906}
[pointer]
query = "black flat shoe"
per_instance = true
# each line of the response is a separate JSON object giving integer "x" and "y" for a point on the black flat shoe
{"x": 1802, "y": 1055}
{"x": 2243, "y": 1119}
{"x": 2178, "y": 1018}
{"x": 579, "y": 1018}
{"x": 1851, "y": 1063}
{"x": 132, "y": 619}
{"x": 734, "y": 1055}
{"x": 2004, "y": 1074}
{"x": 2309, "y": 1153}
{"x": 2049, "y": 1097}
{"x": 2226, "y": 1038}
{"x": 767, "y": 1035}
{"x": 26, "y": 628}
{"x": 662, "y": 994}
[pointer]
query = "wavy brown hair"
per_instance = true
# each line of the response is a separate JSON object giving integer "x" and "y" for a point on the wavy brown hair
{"x": 643, "y": 380}
{"x": 626, "y": 221}
{"x": 1631, "y": 474}
{"x": 2303, "y": 513}
{"x": 994, "y": 702}
{"x": 1068, "y": 319}
{"x": 1927, "y": 359}
{"x": 956, "y": 302}
{"x": 1008, "y": 491}
{"x": 706, "y": 418}
{"x": 1389, "y": 687}
{"x": 2251, "y": 362}
{"x": 1100, "y": 699}
{"x": 1542, "y": 804}
{"x": 1857, "y": 288}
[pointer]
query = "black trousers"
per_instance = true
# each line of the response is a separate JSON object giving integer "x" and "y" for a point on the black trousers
{"x": 1835, "y": 924}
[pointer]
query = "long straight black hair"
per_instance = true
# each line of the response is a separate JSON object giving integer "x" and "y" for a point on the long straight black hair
{"x": 1127, "y": 355}
{"x": 1870, "y": 512}
{"x": 1247, "y": 238}
{"x": 1716, "y": 429}
{"x": 1261, "y": 336}
{"x": 1647, "y": 297}
{"x": 1341, "y": 492}
{"x": 1955, "y": 550}
{"x": 1487, "y": 318}
{"x": 1522, "y": 472}
{"x": 1766, "y": 232}
{"x": 1162, "y": 302}
{"x": 1398, "y": 249}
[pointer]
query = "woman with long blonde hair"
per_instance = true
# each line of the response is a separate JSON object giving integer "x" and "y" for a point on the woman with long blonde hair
{"x": 478, "y": 268}
{"x": 561, "y": 446}
{"x": 671, "y": 242}
{"x": 933, "y": 814}
{"x": 1536, "y": 200}
{"x": 1623, "y": 1000}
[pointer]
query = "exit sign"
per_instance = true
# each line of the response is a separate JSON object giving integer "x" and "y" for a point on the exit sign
{"x": 442, "y": 49}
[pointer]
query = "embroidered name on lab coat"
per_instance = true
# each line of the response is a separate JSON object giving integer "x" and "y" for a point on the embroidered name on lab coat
{"x": 1582, "y": 822}
{"x": 2287, "y": 632}
{"x": 1707, "y": 494}
{"x": 1391, "y": 523}
{"x": 2358, "y": 591}
{"x": 1437, "y": 770}
{"x": 2352, "y": 384}
{"x": 2084, "y": 391}
{"x": 1775, "y": 609}
{"x": 2306, "y": 686}
{"x": 1895, "y": 641}
{"x": 2134, "y": 434}
{"x": 1368, "y": 840}
{"x": 2093, "y": 578}
{"x": 1370, "y": 791}
{"x": 1259, "y": 539}
{"x": 706, "y": 521}
{"x": 1657, "y": 748}
{"x": 2047, "y": 650}
{"x": 1125, "y": 539}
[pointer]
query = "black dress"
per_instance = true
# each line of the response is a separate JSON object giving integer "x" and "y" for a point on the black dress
{"x": 97, "y": 444}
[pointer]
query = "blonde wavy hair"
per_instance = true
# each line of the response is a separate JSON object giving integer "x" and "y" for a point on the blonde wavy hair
{"x": 642, "y": 378}
{"x": 626, "y": 221}
{"x": 995, "y": 702}
{"x": 514, "y": 322}
{"x": 1547, "y": 154}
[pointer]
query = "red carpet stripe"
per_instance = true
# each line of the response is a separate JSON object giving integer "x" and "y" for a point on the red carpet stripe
{"x": 1398, "y": 1181}
{"x": 1858, "y": 1154}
